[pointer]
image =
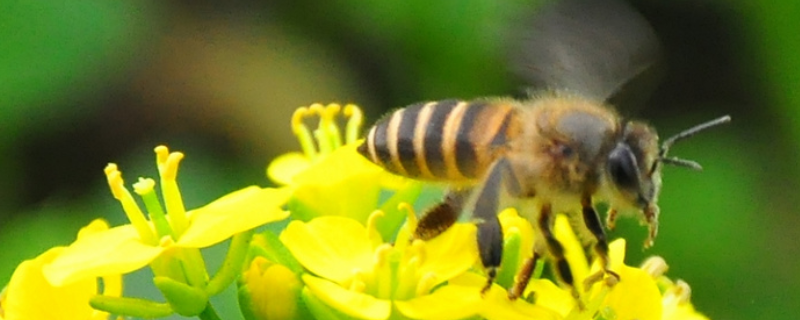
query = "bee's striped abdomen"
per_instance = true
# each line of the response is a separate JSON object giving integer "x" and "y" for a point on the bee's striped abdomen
{"x": 445, "y": 140}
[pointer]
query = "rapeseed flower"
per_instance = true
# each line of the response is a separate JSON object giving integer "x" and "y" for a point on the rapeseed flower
{"x": 640, "y": 293}
{"x": 169, "y": 241}
{"x": 29, "y": 296}
{"x": 352, "y": 270}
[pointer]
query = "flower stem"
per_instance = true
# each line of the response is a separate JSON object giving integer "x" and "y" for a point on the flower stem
{"x": 209, "y": 313}
{"x": 232, "y": 266}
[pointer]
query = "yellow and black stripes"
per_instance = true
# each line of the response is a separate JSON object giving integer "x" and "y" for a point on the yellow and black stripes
{"x": 445, "y": 140}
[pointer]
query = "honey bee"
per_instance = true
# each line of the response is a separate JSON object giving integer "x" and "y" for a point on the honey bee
{"x": 562, "y": 150}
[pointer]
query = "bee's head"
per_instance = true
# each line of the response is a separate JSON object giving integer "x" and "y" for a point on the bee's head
{"x": 633, "y": 166}
{"x": 630, "y": 166}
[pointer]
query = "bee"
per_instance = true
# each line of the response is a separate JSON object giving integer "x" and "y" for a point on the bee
{"x": 562, "y": 150}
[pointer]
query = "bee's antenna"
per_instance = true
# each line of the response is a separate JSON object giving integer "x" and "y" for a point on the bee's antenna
{"x": 662, "y": 153}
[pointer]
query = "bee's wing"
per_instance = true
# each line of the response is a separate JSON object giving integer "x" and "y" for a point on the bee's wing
{"x": 591, "y": 47}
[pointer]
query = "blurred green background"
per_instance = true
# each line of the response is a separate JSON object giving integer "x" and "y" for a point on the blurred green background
{"x": 83, "y": 83}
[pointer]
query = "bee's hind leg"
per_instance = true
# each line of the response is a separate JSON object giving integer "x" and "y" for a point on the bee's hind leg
{"x": 555, "y": 248}
{"x": 439, "y": 218}
{"x": 592, "y": 221}
{"x": 499, "y": 179}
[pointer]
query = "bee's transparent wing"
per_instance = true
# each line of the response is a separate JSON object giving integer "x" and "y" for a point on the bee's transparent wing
{"x": 592, "y": 47}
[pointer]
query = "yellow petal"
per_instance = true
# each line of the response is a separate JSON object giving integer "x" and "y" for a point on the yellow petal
{"x": 234, "y": 213}
{"x": 286, "y": 166}
{"x": 573, "y": 251}
{"x": 550, "y": 296}
{"x": 451, "y": 253}
{"x": 636, "y": 296}
{"x": 342, "y": 184}
{"x": 331, "y": 247}
{"x": 30, "y": 296}
{"x": 497, "y": 306}
{"x": 273, "y": 291}
{"x": 447, "y": 302}
{"x": 509, "y": 218}
{"x": 112, "y": 252}
{"x": 352, "y": 303}
{"x": 616, "y": 254}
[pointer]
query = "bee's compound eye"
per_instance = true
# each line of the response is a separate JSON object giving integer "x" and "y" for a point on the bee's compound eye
{"x": 623, "y": 168}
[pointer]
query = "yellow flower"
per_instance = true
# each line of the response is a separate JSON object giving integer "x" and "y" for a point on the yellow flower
{"x": 269, "y": 291}
{"x": 30, "y": 296}
{"x": 676, "y": 295}
{"x": 331, "y": 178}
{"x": 355, "y": 273}
{"x": 635, "y": 296}
{"x": 129, "y": 247}
{"x": 326, "y": 138}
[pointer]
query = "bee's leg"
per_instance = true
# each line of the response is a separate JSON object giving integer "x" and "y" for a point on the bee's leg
{"x": 523, "y": 277}
{"x": 555, "y": 247}
{"x": 439, "y": 218}
{"x": 487, "y": 203}
{"x": 592, "y": 221}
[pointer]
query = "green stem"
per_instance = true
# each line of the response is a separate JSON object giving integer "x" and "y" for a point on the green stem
{"x": 209, "y": 313}
{"x": 232, "y": 266}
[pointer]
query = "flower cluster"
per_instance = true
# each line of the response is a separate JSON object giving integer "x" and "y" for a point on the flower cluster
{"x": 340, "y": 246}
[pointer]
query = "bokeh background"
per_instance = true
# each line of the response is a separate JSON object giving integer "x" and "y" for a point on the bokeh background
{"x": 84, "y": 83}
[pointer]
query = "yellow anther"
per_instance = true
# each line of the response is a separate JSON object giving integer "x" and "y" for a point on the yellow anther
{"x": 357, "y": 283}
{"x": 411, "y": 216}
{"x": 115, "y": 182}
{"x": 372, "y": 227}
{"x": 417, "y": 250}
{"x": 655, "y": 266}
{"x": 144, "y": 186}
{"x": 354, "y": 120}
{"x": 162, "y": 153}
{"x": 328, "y": 125}
{"x": 132, "y": 211}
{"x": 382, "y": 254}
{"x": 302, "y": 132}
{"x": 317, "y": 108}
{"x": 169, "y": 171}
{"x": 681, "y": 292}
{"x": 331, "y": 111}
{"x": 297, "y": 119}
{"x": 111, "y": 167}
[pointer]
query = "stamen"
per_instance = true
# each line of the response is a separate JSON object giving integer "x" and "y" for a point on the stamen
{"x": 354, "y": 121}
{"x": 303, "y": 133}
{"x": 328, "y": 124}
{"x": 372, "y": 227}
{"x": 357, "y": 283}
{"x": 680, "y": 293}
{"x": 324, "y": 143}
{"x": 655, "y": 266}
{"x": 382, "y": 269}
{"x": 129, "y": 206}
{"x": 411, "y": 216}
{"x": 417, "y": 251}
{"x": 168, "y": 170}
